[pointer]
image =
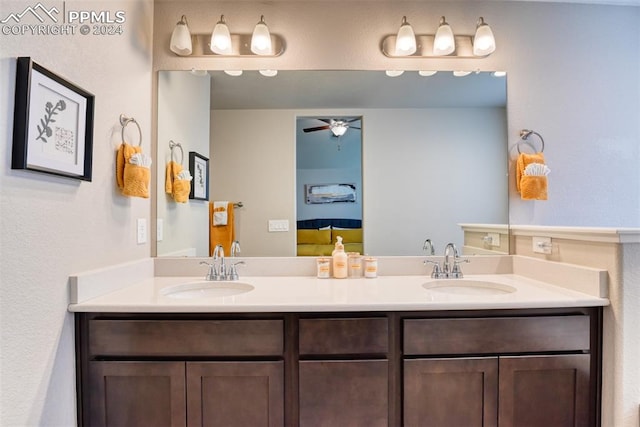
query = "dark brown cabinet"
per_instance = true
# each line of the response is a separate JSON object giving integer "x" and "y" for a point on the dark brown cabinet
{"x": 503, "y": 368}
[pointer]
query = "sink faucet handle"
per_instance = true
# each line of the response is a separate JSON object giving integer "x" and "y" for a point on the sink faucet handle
{"x": 435, "y": 273}
{"x": 456, "y": 272}
{"x": 233, "y": 272}
{"x": 212, "y": 274}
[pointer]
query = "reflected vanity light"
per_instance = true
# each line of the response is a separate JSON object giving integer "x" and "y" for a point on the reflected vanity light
{"x": 394, "y": 73}
{"x": 269, "y": 73}
{"x": 499, "y": 73}
{"x": 221, "y": 42}
{"x": 427, "y": 73}
{"x": 444, "y": 43}
{"x": 461, "y": 73}
{"x": 181, "y": 38}
{"x": 199, "y": 73}
{"x": 234, "y": 73}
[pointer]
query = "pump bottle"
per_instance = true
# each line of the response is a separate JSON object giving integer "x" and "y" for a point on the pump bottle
{"x": 339, "y": 258}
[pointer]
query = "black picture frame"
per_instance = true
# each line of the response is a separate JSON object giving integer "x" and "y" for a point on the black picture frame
{"x": 199, "y": 168}
{"x": 52, "y": 123}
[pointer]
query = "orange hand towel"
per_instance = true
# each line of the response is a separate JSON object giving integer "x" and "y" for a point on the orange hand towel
{"x": 173, "y": 169}
{"x": 179, "y": 189}
{"x": 522, "y": 162}
{"x": 221, "y": 234}
{"x": 125, "y": 151}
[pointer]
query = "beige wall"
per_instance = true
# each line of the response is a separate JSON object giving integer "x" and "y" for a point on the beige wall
{"x": 52, "y": 227}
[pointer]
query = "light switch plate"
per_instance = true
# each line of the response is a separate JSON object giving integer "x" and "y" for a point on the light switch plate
{"x": 141, "y": 233}
{"x": 159, "y": 230}
{"x": 278, "y": 225}
{"x": 541, "y": 245}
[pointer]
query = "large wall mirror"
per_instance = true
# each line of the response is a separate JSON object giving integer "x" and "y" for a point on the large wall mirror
{"x": 432, "y": 155}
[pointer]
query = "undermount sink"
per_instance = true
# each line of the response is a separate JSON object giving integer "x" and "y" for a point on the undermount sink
{"x": 206, "y": 289}
{"x": 468, "y": 287}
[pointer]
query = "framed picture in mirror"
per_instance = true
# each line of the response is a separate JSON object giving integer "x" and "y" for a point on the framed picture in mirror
{"x": 199, "y": 168}
{"x": 52, "y": 123}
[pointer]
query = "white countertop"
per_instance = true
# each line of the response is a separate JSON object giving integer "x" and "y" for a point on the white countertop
{"x": 309, "y": 294}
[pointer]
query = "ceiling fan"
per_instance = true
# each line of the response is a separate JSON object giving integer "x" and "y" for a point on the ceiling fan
{"x": 337, "y": 126}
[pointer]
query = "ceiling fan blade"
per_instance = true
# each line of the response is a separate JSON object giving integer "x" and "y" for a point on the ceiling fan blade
{"x": 327, "y": 121}
{"x": 354, "y": 127}
{"x": 355, "y": 119}
{"x": 315, "y": 129}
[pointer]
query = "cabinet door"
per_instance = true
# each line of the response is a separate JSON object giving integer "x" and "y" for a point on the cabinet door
{"x": 344, "y": 393}
{"x": 451, "y": 392}
{"x": 136, "y": 394}
{"x": 235, "y": 394}
{"x": 542, "y": 391}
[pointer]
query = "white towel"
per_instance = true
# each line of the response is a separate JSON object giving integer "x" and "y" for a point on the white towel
{"x": 220, "y": 212}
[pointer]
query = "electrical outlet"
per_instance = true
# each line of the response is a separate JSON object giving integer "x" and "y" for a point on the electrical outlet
{"x": 278, "y": 225}
{"x": 494, "y": 239}
{"x": 141, "y": 232}
{"x": 541, "y": 245}
{"x": 159, "y": 230}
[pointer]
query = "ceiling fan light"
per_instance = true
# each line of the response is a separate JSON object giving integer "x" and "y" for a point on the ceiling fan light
{"x": 221, "y": 38}
{"x": 483, "y": 41}
{"x": 444, "y": 43}
{"x": 181, "y": 38}
{"x": 338, "y": 128}
{"x": 261, "y": 39}
{"x": 406, "y": 39}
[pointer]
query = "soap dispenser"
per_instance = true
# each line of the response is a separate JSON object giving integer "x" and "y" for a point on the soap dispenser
{"x": 340, "y": 258}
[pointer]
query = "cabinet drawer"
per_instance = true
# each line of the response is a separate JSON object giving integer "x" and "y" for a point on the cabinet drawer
{"x": 186, "y": 337}
{"x": 344, "y": 336}
{"x": 496, "y": 335}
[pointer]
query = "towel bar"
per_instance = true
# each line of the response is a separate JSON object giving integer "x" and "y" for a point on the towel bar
{"x": 124, "y": 121}
{"x": 524, "y": 136}
{"x": 172, "y": 145}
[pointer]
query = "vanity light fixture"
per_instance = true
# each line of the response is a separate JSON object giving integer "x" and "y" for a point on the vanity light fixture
{"x": 261, "y": 39}
{"x": 181, "y": 38}
{"x": 268, "y": 73}
{"x": 427, "y": 73}
{"x": 483, "y": 42}
{"x": 406, "y": 39}
{"x": 499, "y": 73}
{"x": 221, "y": 42}
{"x": 221, "y": 38}
{"x": 461, "y": 73}
{"x": 444, "y": 42}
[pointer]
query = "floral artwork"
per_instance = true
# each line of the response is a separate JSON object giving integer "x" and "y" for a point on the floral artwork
{"x": 50, "y": 111}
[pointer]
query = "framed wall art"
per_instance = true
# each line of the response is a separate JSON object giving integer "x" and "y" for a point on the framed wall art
{"x": 330, "y": 193}
{"x": 52, "y": 123}
{"x": 199, "y": 168}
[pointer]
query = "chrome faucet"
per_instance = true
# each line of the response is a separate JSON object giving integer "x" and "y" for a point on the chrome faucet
{"x": 430, "y": 250}
{"x": 216, "y": 272}
{"x": 233, "y": 272}
{"x": 450, "y": 269}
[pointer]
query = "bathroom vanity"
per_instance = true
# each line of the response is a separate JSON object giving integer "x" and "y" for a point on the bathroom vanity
{"x": 310, "y": 352}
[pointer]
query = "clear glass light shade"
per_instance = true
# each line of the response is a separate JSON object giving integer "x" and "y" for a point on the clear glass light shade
{"x": 181, "y": 38}
{"x": 444, "y": 42}
{"x": 483, "y": 42}
{"x": 261, "y": 39}
{"x": 406, "y": 39}
{"x": 220, "y": 38}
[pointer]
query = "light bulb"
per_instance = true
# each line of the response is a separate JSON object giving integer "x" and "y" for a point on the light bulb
{"x": 483, "y": 42}
{"x": 261, "y": 39}
{"x": 220, "y": 38}
{"x": 444, "y": 42}
{"x": 406, "y": 39}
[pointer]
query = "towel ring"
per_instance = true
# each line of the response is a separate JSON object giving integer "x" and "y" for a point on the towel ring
{"x": 172, "y": 145}
{"x": 124, "y": 121}
{"x": 524, "y": 136}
